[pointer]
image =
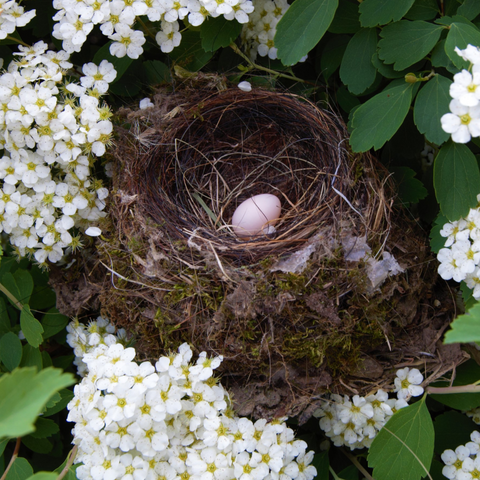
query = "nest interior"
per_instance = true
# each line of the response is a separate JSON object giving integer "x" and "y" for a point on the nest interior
{"x": 293, "y": 314}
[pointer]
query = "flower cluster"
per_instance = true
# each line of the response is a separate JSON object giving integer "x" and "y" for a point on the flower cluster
{"x": 464, "y": 120}
{"x": 84, "y": 338}
{"x": 464, "y": 462}
{"x": 460, "y": 258}
{"x": 116, "y": 18}
{"x": 355, "y": 422}
{"x": 474, "y": 414}
{"x": 12, "y": 16}
{"x": 259, "y": 32}
{"x": 173, "y": 420}
{"x": 52, "y": 129}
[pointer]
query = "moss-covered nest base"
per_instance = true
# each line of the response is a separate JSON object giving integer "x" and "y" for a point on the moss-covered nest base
{"x": 340, "y": 297}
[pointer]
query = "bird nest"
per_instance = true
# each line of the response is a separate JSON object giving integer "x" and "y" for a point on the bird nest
{"x": 229, "y": 147}
{"x": 338, "y": 297}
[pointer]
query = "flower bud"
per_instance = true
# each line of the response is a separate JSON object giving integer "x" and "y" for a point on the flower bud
{"x": 411, "y": 78}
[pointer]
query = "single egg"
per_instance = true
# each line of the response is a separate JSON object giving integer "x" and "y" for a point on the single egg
{"x": 256, "y": 215}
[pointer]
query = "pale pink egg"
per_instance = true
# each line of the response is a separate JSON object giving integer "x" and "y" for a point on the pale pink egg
{"x": 255, "y": 215}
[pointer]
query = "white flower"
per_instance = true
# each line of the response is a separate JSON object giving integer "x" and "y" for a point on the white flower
{"x": 306, "y": 471}
{"x": 93, "y": 231}
{"x": 98, "y": 77}
{"x": 463, "y": 123}
{"x": 448, "y": 267}
{"x": 145, "y": 103}
{"x": 454, "y": 230}
{"x": 407, "y": 383}
{"x": 126, "y": 41}
{"x": 357, "y": 412}
{"x": 169, "y": 36}
{"x": 99, "y": 136}
{"x": 466, "y": 255}
{"x": 466, "y": 88}
{"x": 470, "y": 54}
{"x": 454, "y": 461}
{"x": 245, "y": 86}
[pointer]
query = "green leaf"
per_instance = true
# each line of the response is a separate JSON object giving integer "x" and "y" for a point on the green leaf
{"x": 406, "y": 144}
{"x": 356, "y": 69}
{"x": 6, "y": 265}
{"x": 42, "y": 298}
{"x": 403, "y": 449}
{"x": 43, "y": 476}
{"x": 20, "y": 470}
{"x": 19, "y": 284}
{"x": 467, "y": 296}
{"x": 331, "y": 57}
{"x": 381, "y": 12}
{"x": 349, "y": 473}
{"x": 53, "y": 322}
{"x": 3, "y": 444}
{"x": 53, "y": 400}
{"x": 189, "y": 54}
{"x": 24, "y": 281}
{"x": 446, "y": 20}
{"x": 37, "y": 445}
{"x": 405, "y": 43}
{"x": 465, "y": 328}
{"x": 410, "y": 189}
{"x": 132, "y": 81}
{"x": 66, "y": 396}
{"x": 377, "y": 120}
{"x": 301, "y": 28}
{"x": 447, "y": 437}
{"x": 218, "y": 32}
{"x": 44, "y": 427}
{"x": 10, "y": 350}
{"x": 346, "y": 100}
{"x": 440, "y": 58}
{"x": 120, "y": 64}
{"x": 431, "y": 103}
{"x": 456, "y": 180}
{"x": 23, "y": 394}
{"x": 465, "y": 374}
{"x": 436, "y": 240}
{"x": 423, "y": 10}
{"x": 5, "y": 325}
{"x": 469, "y": 9}
{"x": 31, "y": 357}
{"x": 346, "y": 18}
{"x": 321, "y": 463}
{"x": 387, "y": 71}
{"x": 31, "y": 327}
{"x": 157, "y": 72}
{"x": 460, "y": 35}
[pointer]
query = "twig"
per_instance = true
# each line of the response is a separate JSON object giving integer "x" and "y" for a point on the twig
{"x": 132, "y": 281}
{"x": 10, "y": 296}
{"x": 458, "y": 389}
{"x": 265, "y": 69}
{"x": 359, "y": 466}
{"x": 145, "y": 28}
{"x": 14, "y": 456}
{"x": 70, "y": 459}
{"x": 18, "y": 41}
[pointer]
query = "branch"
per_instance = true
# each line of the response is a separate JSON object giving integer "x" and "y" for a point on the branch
{"x": 70, "y": 459}
{"x": 457, "y": 389}
{"x": 14, "y": 456}
{"x": 265, "y": 69}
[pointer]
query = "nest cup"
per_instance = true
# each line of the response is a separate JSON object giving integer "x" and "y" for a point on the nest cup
{"x": 234, "y": 145}
{"x": 292, "y": 314}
